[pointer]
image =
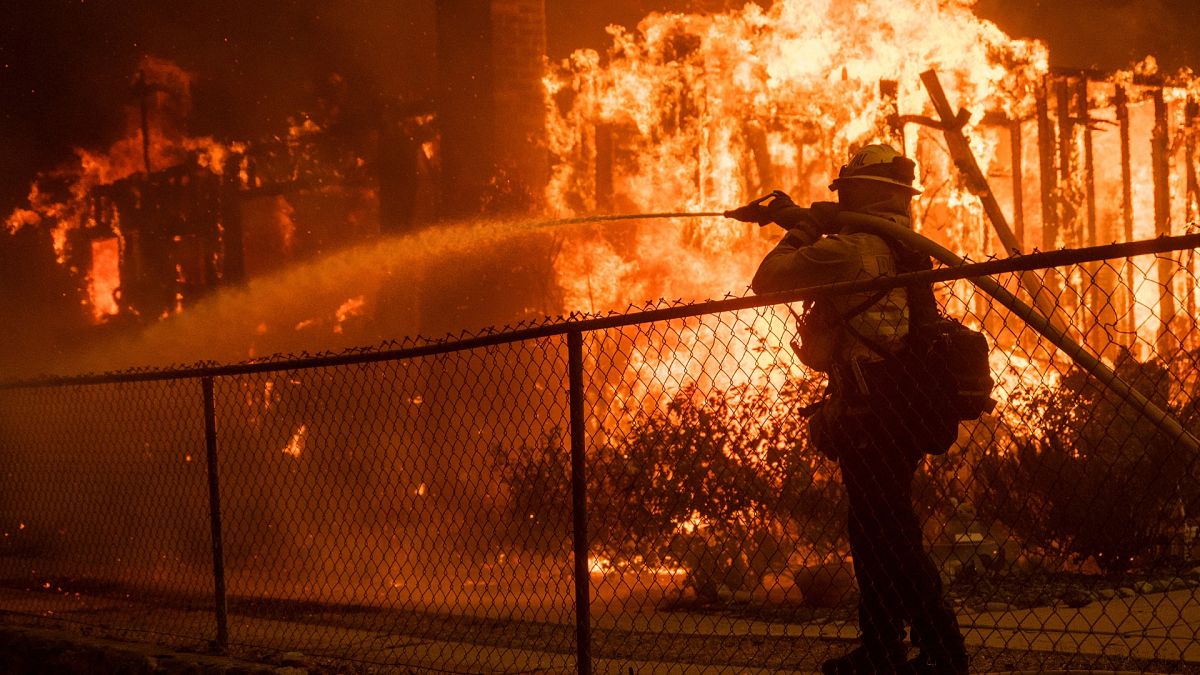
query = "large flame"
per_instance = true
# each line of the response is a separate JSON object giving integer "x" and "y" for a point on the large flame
{"x": 698, "y": 112}
{"x": 701, "y": 112}
{"x": 154, "y": 142}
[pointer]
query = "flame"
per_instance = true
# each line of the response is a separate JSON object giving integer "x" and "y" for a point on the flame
{"x": 105, "y": 277}
{"x": 295, "y": 446}
{"x": 166, "y": 91}
{"x": 352, "y": 307}
{"x": 702, "y": 112}
{"x": 707, "y": 111}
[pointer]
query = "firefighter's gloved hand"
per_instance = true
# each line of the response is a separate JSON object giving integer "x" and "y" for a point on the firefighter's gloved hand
{"x": 763, "y": 210}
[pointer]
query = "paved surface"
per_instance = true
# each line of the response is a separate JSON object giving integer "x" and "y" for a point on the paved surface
{"x": 1149, "y": 626}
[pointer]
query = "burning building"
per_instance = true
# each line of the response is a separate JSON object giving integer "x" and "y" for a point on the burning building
{"x": 698, "y": 112}
{"x": 685, "y": 112}
{"x": 161, "y": 217}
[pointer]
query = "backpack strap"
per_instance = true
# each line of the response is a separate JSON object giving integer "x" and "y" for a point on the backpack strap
{"x": 921, "y": 303}
{"x": 850, "y": 313}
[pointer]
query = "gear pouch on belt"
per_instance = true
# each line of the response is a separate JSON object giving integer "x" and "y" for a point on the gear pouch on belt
{"x": 816, "y": 335}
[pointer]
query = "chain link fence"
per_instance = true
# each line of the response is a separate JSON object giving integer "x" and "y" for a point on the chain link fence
{"x": 627, "y": 493}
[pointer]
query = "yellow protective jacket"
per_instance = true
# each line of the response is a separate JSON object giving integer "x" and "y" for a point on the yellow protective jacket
{"x": 810, "y": 255}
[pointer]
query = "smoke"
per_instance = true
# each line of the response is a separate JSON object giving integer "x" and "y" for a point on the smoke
{"x": 456, "y": 276}
{"x": 1104, "y": 34}
{"x": 375, "y": 483}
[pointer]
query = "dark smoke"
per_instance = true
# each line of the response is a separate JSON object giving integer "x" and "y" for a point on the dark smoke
{"x": 1105, "y": 34}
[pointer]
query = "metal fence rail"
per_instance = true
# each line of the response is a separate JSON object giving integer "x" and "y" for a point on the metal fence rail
{"x": 614, "y": 493}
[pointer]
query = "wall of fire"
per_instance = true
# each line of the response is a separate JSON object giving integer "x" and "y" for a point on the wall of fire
{"x": 1100, "y": 158}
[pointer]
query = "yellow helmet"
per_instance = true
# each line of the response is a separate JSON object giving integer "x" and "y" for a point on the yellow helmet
{"x": 880, "y": 163}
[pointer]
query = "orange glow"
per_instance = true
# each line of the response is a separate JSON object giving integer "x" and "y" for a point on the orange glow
{"x": 295, "y": 446}
{"x": 105, "y": 277}
{"x": 703, "y": 112}
{"x": 168, "y": 100}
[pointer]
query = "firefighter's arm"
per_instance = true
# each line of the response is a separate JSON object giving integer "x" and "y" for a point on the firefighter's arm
{"x": 802, "y": 259}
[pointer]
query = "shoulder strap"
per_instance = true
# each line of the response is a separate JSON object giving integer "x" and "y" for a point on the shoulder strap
{"x": 922, "y": 305}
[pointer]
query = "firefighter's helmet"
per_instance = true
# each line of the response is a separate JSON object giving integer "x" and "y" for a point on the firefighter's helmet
{"x": 879, "y": 163}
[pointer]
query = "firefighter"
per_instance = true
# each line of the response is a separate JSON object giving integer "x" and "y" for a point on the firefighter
{"x": 867, "y": 422}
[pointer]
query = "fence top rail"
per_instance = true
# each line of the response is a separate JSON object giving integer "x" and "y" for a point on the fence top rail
{"x": 651, "y": 312}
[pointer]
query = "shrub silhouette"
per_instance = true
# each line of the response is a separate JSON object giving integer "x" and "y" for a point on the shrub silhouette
{"x": 723, "y": 486}
{"x": 1098, "y": 481}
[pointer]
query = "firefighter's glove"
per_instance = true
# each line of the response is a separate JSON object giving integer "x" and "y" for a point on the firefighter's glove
{"x": 763, "y": 210}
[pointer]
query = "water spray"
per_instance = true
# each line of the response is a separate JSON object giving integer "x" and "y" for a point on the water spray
{"x": 626, "y": 216}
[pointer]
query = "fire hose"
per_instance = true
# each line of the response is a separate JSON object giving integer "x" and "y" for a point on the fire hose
{"x": 1044, "y": 325}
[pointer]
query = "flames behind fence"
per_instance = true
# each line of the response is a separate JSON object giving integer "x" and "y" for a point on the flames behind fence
{"x": 416, "y": 512}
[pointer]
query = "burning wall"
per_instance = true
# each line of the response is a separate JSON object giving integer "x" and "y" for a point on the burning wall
{"x": 701, "y": 112}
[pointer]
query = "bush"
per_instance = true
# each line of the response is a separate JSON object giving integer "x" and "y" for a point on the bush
{"x": 723, "y": 486}
{"x": 1098, "y": 481}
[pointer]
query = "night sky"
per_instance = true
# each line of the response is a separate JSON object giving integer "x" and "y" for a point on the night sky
{"x": 66, "y": 65}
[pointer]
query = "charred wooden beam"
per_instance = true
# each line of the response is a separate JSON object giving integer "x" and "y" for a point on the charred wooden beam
{"x": 760, "y": 155}
{"x": 1192, "y": 208}
{"x": 1018, "y": 182}
{"x": 1160, "y": 161}
{"x": 1097, "y": 282}
{"x": 1068, "y": 225}
{"x": 1049, "y": 180}
{"x": 1121, "y": 101}
{"x": 964, "y": 159}
{"x": 1089, "y": 165}
{"x": 604, "y": 168}
{"x": 960, "y": 151}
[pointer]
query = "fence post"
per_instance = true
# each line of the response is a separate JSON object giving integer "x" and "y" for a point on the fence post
{"x": 214, "y": 510}
{"x": 579, "y": 530}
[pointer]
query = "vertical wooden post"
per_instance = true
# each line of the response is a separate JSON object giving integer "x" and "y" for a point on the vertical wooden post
{"x": 1049, "y": 179}
{"x": 1016, "y": 152}
{"x": 1121, "y": 100}
{"x": 604, "y": 168}
{"x": 1018, "y": 181}
{"x": 1082, "y": 107}
{"x": 1066, "y": 170}
{"x": 232, "y": 237}
{"x": 1192, "y": 209}
{"x": 1161, "y": 169}
{"x": 760, "y": 155}
{"x": 579, "y": 530}
{"x": 1092, "y": 286}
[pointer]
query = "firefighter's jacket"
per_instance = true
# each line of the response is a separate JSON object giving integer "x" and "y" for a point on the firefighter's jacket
{"x": 810, "y": 254}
